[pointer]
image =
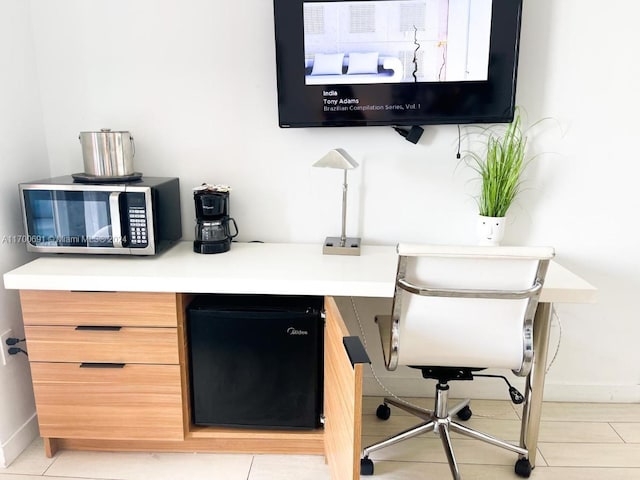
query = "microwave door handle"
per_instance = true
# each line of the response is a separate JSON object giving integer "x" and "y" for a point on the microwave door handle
{"x": 114, "y": 209}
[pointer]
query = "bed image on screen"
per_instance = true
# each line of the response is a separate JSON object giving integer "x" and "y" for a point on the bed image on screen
{"x": 390, "y": 41}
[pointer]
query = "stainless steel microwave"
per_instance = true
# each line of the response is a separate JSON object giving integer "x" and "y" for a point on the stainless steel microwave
{"x": 136, "y": 218}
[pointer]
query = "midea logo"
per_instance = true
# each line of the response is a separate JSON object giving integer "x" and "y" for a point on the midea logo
{"x": 294, "y": 331}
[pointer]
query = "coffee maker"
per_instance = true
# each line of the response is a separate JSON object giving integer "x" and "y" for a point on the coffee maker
{"x": 213, "y": 233}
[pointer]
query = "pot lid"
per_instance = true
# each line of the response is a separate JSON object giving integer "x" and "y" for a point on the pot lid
{"x": 106, "y": 130}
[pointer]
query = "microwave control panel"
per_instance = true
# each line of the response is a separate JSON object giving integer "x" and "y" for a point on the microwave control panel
{"x": 137, "y": 219}
{"x": 138, "y": 227}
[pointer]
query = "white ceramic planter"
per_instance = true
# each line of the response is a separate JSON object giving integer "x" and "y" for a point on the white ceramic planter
{"x": 490, "y": 230}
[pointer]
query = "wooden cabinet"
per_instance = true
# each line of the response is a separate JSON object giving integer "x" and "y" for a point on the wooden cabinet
{"x": 343, "y": 400}
{"x": 110, "y": 372}
{"x": 105, "y": 365}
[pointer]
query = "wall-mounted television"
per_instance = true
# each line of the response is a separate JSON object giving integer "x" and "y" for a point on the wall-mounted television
{"x": 396, "y": 62}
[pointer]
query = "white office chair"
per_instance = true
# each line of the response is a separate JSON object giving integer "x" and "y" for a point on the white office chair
{"x": 457, "y": 310}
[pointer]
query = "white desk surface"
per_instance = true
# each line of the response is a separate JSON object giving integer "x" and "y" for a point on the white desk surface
{"x": 267, "y": 268}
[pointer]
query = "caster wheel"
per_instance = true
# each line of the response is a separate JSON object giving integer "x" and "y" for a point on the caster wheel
{"x": 366, "y": 466}
{"x": 383, "y": 412}
{"x": 523, "y": 468}
{"x": 465, "y": 413}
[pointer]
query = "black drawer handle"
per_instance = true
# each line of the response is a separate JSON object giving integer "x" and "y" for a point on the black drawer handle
{"x": 98, "y": 327}
{"x": 101, "y": 365}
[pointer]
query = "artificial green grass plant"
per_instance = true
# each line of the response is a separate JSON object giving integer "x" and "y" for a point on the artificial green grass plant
{"x": 500, "y": 169}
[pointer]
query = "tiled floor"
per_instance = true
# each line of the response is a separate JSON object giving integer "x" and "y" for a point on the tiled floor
{"x": 577, "y": 442}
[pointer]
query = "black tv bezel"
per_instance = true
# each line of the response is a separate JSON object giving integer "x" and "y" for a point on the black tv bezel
{"x": 490, "y": 101}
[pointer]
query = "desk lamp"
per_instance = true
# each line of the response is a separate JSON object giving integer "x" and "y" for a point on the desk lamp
{"x": 342, "y": 245}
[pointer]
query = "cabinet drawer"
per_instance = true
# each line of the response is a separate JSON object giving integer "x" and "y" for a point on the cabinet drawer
{"x": 99, "y": 344}
{"x": 133, "y": 309}
{"x": 141, "y": 402}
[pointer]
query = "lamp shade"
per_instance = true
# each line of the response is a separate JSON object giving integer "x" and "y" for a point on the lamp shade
{"x": 337, "y": 158}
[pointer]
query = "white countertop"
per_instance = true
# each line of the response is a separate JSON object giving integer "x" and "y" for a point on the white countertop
{"x": 267, "y": 268}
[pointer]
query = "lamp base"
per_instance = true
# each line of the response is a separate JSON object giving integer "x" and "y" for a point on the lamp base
{"x": 332, "y": 246}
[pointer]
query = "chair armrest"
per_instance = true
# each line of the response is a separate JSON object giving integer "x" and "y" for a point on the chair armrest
{"x": 444, "y": 292}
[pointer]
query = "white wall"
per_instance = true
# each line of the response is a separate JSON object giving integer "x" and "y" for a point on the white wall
{"x": 22, "y": 155}
{"x": 195, "y": 83}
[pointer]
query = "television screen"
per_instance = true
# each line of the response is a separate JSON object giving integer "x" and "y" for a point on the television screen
{"x": 396, "y": 62}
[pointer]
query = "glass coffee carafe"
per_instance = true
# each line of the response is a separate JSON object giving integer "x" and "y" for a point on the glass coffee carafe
{"x": 213, "y": 224}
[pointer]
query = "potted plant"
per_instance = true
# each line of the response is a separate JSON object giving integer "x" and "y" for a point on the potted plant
{"x": 500, "y": 165}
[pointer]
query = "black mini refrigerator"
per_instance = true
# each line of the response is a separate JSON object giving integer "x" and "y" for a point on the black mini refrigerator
{"x": 256, "y": 361}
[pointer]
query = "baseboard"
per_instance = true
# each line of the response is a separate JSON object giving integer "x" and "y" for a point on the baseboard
{"x": 592, "y": 393}
{"x": 496, "y": 389}
{"x": 21, "y": 439}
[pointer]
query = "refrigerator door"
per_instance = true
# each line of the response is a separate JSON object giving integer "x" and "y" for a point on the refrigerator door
{"x": 256, "y": 361}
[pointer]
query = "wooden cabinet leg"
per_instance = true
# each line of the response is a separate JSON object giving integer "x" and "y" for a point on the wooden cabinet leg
{"x": 50, "y": 447}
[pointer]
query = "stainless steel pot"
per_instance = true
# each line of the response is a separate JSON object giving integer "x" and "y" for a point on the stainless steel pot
{"x": 107, "y": 154}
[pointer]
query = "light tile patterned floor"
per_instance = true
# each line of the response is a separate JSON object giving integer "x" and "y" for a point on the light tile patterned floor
{"x": 577, "y": 442}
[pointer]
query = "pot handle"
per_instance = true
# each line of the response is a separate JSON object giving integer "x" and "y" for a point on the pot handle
{"x": 133, "y": 146}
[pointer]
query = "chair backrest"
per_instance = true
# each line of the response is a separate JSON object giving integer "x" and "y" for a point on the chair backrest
{"x": 465, "y": 306}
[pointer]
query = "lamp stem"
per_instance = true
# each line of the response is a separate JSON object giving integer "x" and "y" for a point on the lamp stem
{"x": 343, "y": 236}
